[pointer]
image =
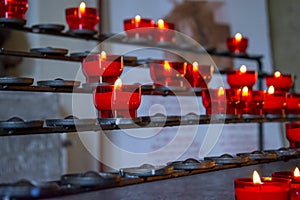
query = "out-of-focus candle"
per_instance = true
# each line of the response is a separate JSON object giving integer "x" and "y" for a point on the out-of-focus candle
{"x": 102, "y": 67}
{"x": 292, "y": 131}
{"x": 257, "y": 102}
{"x": 261, "y": 188}
{"x": 163, "y": 31}
{"x": 237, "y": 44}
{"x": 292, "y": 104}
{"x": 241, "y": 77}
{"x": 274, "y": 102}
{"x": 281, "y": 82}
{"x": 113, "y": 101}
{"x": 199, "y": 75}
{"x": 138, "y": 27}
{"x": 82, "y": 17}
{"x": 245, "y": 100}
{"x": 13, "y": 9}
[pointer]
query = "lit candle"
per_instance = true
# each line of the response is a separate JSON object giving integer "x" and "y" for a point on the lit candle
{"x": 255, "y": 106}
{"x": 241, "y": 77}
{"x": 199, "y": 75}
{"x": 102, "y": 67}
{"x": 138, "y": 27}
{"x": 13, "y": 9}
{"x": 274, "y": 102}
{"x": 283, "y": 82}
{"x": 245, "y": 100}
{"x": 237, "y": 44}
{"x": 82, "y": 17}
{"x": 292, "y": 131}
{"x": 261, "y": 188}
{"x": 163, "y": 32}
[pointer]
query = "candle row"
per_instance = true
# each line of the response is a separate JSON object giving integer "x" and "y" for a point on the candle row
{"x": 283, "y": 185}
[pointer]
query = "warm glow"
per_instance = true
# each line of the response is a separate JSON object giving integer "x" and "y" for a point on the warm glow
{"x": 118, "y": 84}
{"x": 103, "y": 55}
{"x": 137, "y": 18}
{"x": 271, "y": 90}
{"x": 245, "y": 91}
{"x": 167, "y": 66}
{"x": 256, "y": 178}
{"x": 82, "y": 7}
{"x": 277, "y": 74}
{"x": 160, "y": 23}
{"x": 221, "y": 91}
{"x": 238, "y": 37}
{"x": 195, "y": 66}
{"x": 296, "y": 172}
{"x": 243, "y": 69}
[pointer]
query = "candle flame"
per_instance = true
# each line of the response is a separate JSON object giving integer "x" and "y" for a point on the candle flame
{"x": 256, "y": 177}
{"x": 82, "y": 7}
{"x": 245, "y": 91}
{"x": 167, "y": 66}
{"x": 118, "y": 84}
{"x": 296, "y": 172}
{"x": 137, "y": 18}
{"x": 195, "y": 66}
{"x": 238, "y": 37}
{"x": 277, "y": 74}
{"x": 103, "y": 55}
{"x": 243, "y": 69}
{"x": 271, "y": 90}
{"x": 160, "y": 23}
{"x": 221, "y": 91}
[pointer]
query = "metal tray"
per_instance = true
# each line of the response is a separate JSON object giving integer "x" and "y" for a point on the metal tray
{"x": 20, "y": 81}
{"x": 112, "y": 122}
{"x": 13, "y": 21}
{"x": 147, "y": 170}
{"x": 82, "y": 32}
{"x": 48, "y": 27}
{"x": 70, "y": 121}
{"x": 228, "y": 159}
{"x": 50, "y": 51}
{"x": 260, "y": 155}
{"x": 59, "y": 83}
{"x": 193, "y": 164}
{"x": 16, "y": 122}
{"x": 285, "y": 152}
{"x": 80, "y": 54}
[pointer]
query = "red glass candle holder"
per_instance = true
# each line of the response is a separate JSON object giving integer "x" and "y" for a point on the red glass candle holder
{"x": 294, "y": 185}
{"x": 163, "y": 32}
{"x": 220, "y": 101}
{"x": 199, "y": 75}
{"x": 292, "y": 104}
{"x": 82, "y": 18}
{"x": 274, "y": 103}
{"x": 165, "y": 73}
{"x": 13, "y": 9}
{"x": 269, "y": 189}
{"x": 237, "y": 44}
{"x": 117, "y": 102}
{"x": 241, "y": 78}
{"x": 292, "y": 131}
{"x": 102, "y": 67}
{"x": 282, "y": 82}
{"x": 138, "y": 27}
{"x": 251, "y": 102}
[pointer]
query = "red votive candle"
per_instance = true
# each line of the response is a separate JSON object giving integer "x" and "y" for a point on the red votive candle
{"x": 292, "y": 131}
{"x": 163, "y": 32}
{"x": 82, "y": 17}
{"x": 237, "y": 44}
{"x": 102, "y": 67}
{"x": 13, "y": 9}
{"x": 263, "y": 189}
{"x": 282, "y": 82}
{"x": 165, "y": 73}
{"x": 274, "y": 102}
{"x": 138, "y": 27}
{"x": 117, "y": 101}
{"x": 292, "y": 104}
{"x": 241, "y": 77}
{"x": 220, "y": 101}
{"x": 199, "y": 75}
{"x": 294, "y": 177}
{"x": 257, "y": 102}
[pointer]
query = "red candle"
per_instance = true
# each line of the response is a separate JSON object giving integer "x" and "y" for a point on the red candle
{"x": 163, "y": 32}
{"x": 113, "y": 101}
{"x": 261, "y": 189}
{"x": 282, "y": 82}
{"x": 13, "y": 8}
{"x": 199, "y": 75}
{"x": 245, "y": 100}
{"x": 102, "y": 67}
{"x": 257, "y": 102}
{"x": 165, "y": 73}
{"x": 138, "y": 27}
{"x": 242, "y": 77}
{"x": 292, "y": 131}
{"x": 220, "y": 101}
{"x": 292, "y": 104}
{"x": 274, "y": 102}
{"x": 294, "y": 177}
{"x": 237, "y": 44}
{"x": 82, "y": 17}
